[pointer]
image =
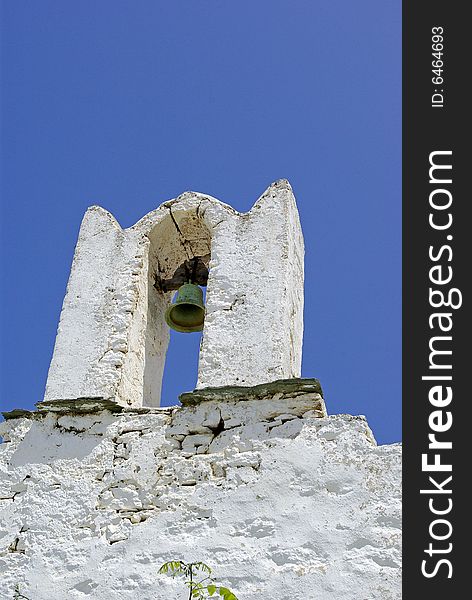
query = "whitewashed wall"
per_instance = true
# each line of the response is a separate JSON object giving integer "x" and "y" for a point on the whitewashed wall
{"x": 100, "y": 486}
{"x": 282, "y": 501}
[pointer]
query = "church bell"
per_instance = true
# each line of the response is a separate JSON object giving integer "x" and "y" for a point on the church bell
{"x": 187, "y": 312}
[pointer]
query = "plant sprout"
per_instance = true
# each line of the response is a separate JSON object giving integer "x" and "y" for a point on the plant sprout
{"x": 198, "y": 588}
{"x": 18, "y": 594}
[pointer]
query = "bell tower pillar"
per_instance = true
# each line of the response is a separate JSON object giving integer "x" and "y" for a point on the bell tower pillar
{"x": 112, "y": 336}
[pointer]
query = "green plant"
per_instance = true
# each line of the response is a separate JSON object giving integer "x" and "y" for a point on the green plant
{"x": 198, "y": 589}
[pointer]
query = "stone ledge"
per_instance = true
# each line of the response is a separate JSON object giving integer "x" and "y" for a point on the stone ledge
{"x": 285, "y": 387}
{"x": 80, "y": 405}
{"x": 19, "y": 413}
{"x": 279, "y": 389}
{"x": 83, "y": 406}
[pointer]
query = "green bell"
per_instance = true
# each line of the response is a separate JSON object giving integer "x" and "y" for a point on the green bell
{"x": 187, "y": 312}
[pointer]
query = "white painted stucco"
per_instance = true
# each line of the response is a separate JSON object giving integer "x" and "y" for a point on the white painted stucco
{"x": 96, "y": 492}
{"x": 112, "y": 337}
{"x": 283, "y": 503}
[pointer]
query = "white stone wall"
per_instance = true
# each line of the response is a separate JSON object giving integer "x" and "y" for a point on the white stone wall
{"x": 283, "y": 502}
{"x": 112, "y": 337}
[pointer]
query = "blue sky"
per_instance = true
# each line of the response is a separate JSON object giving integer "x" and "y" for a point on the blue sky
{"x": 129, "y": 103}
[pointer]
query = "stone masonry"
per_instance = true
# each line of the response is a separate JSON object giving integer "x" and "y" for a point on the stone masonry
{"x": 100, "y": 485}
{"x": 281, "y": 500}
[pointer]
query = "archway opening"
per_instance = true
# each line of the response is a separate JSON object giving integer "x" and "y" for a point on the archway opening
{"x": 180, "y": 248}
{"x": 181, "y": 364}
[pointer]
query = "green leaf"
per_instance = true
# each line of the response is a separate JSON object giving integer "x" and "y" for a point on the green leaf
{"x": 177, "y": 567}
{"x": 198, "y": 589}
{"x": 200, "y": 566}
{"x": 226, "y": 594}
{"x": 164, "y": 568}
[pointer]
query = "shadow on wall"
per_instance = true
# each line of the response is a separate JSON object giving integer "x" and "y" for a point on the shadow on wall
{"x": 44, "y": 444}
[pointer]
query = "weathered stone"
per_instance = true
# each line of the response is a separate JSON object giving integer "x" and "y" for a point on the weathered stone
{"x": 322, "y": 482}
{"x": 288, "y": 429}
{"x": 231, "y": 422}
{"x": 212, "y": 416}
{"x": 79, "y": 405}
{"x": 272, "y": 390}
{"x": 313, "y": 414}
{"x": 198, "y": 439}
{"x": 18, "y": 413}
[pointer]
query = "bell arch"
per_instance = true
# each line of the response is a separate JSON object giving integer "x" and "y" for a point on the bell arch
{"x": 179, "y": 251}
{"x": 112, "y": 337}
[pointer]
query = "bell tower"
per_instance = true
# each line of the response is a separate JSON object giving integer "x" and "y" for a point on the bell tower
{"x": 101, "y": 485}
{"x": 114, "y": 326}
